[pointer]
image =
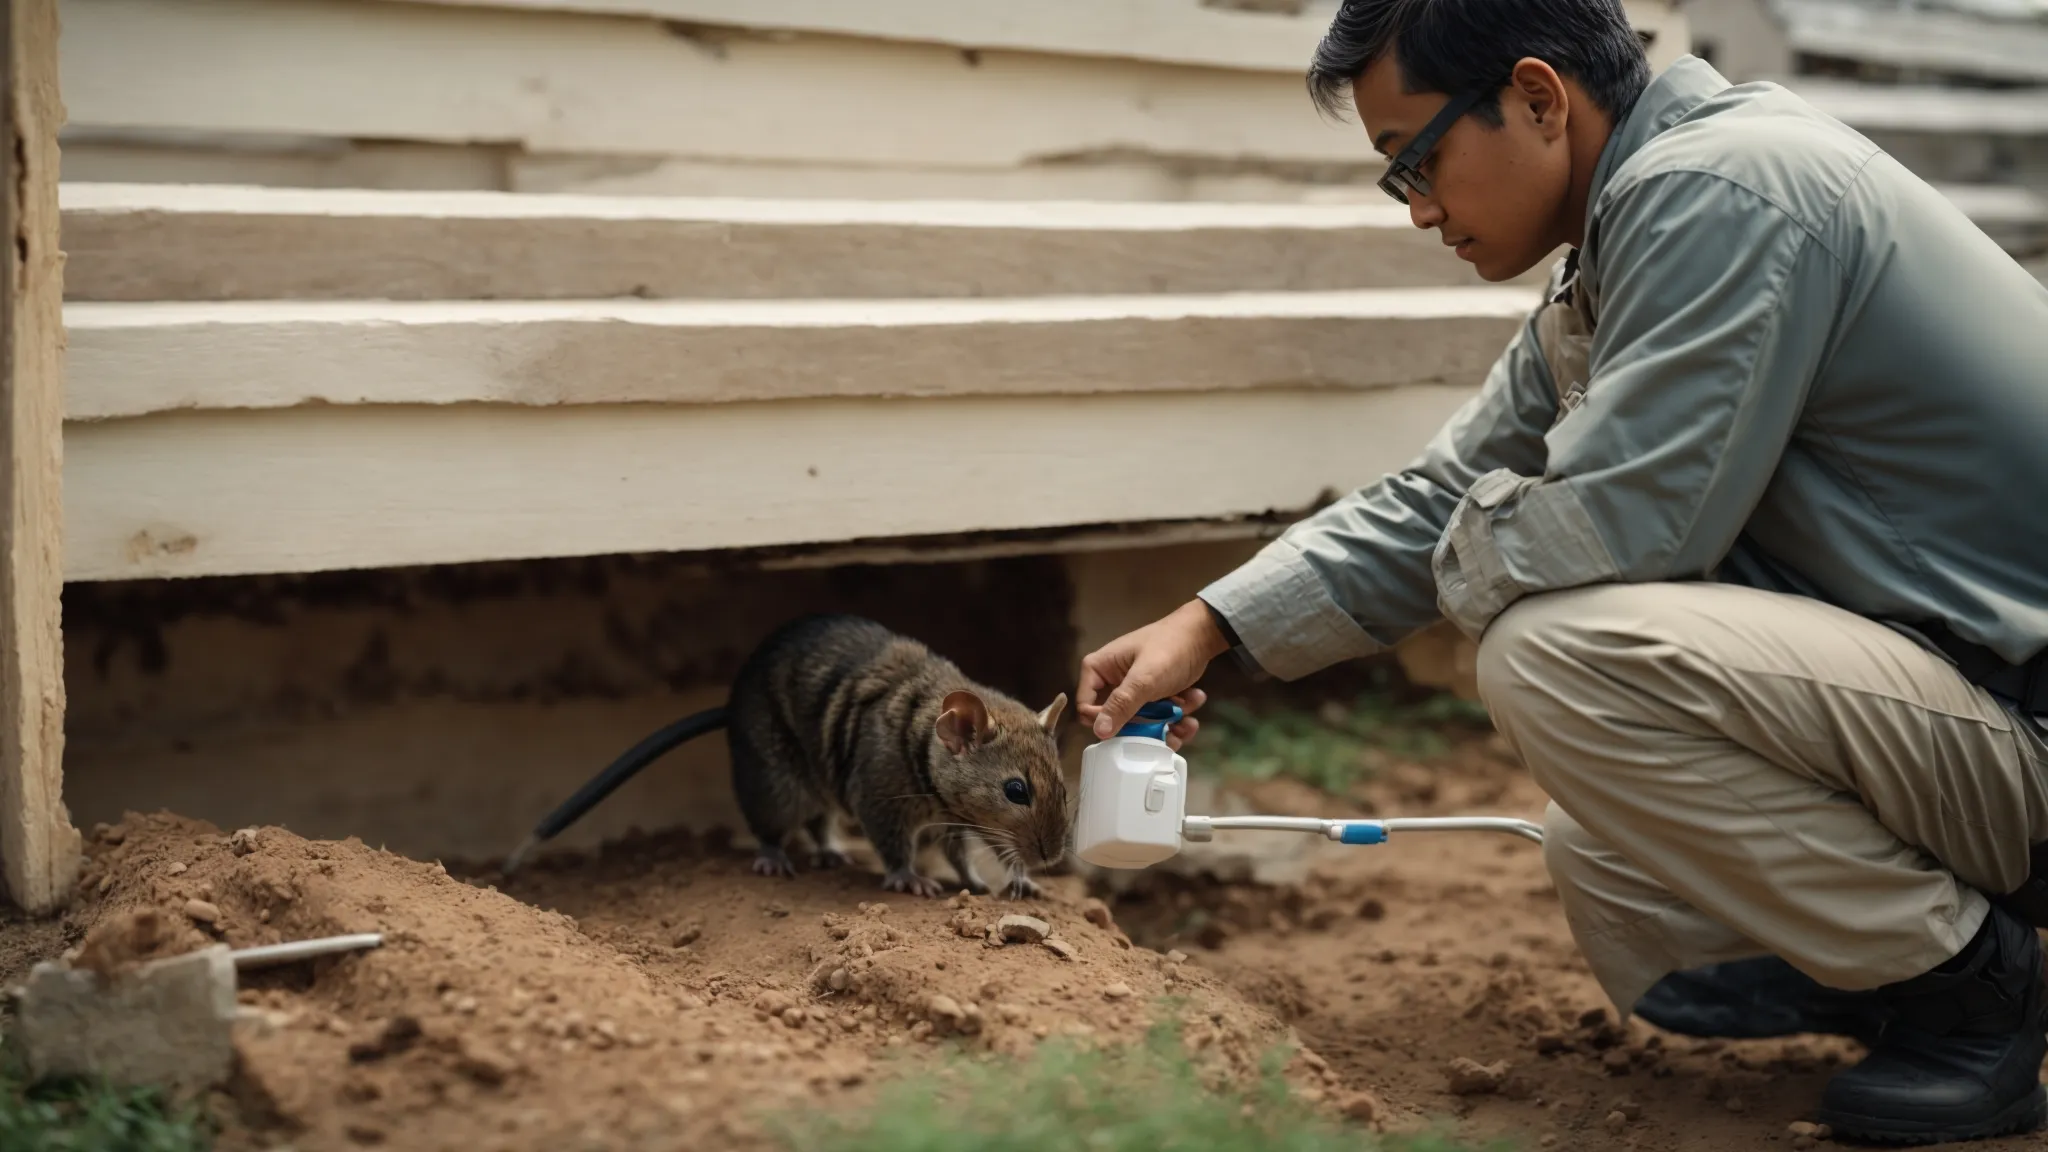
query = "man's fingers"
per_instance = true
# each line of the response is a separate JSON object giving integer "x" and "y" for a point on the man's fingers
{"x": 1182, "y": 732}
{"x": 1123, "y": 703}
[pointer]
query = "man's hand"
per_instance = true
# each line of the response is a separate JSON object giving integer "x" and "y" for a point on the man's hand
{"x": 1160, "y": 661}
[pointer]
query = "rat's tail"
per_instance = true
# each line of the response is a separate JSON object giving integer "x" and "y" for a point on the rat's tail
{"x": 621, "y": 770}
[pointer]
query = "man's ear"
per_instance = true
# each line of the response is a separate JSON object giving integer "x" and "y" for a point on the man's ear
{"x": 1536, "y": 90}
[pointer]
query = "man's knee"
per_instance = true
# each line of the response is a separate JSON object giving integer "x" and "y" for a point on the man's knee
{"x": 1519, "y": 653}
{"x": 1566, "y": 847}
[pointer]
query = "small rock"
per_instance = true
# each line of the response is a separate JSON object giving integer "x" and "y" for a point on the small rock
{"x": 1061, "y": 948}
{"x": 1629, "y": 1109}
{"x": 1363, "y": 1107}
{"x": 1176, "y": 956}
{"x": 169, "y": 1023}
{"x": 1802, "y": 1143}
{"x": 242, "y": 842}
{"x": 399, "y": 1033}
{"x": 1802, "y": 1128}
{"x": 1097, "y": 913}
{"x": 1551, "y": 1043}
{"x": 109, "y": 834}
{"x": 485, "y": 1065}
{"x": 1548, "y": 1141}
{"x": 1372, "y": 910}
{"x": 688, "y": 934}
{"x": 1737, "y": 1106}
{"x": 1615, "y": 1122}
{"x": 1468, "y": 1077}
{"x": 840, "y": 980}
{"x": 1117, "y": 991}
{"x": 177, "y": 868}
{"x": 946, "y": 1011}
{"x": 1016, "y": 929}
{"x": 1617, "y": 1062}
{"x": 202, "y": 911}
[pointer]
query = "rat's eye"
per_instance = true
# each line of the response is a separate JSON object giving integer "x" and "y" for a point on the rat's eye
{"x": 1017, "y": 792}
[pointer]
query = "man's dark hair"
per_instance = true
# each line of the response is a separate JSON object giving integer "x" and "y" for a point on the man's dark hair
{"x": 1451, "y": 45}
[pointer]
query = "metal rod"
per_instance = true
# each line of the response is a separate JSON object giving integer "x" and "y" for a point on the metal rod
{"x": 1526, "y": 829}
{"x": 1202, "y": 829}
{"x": 269, "y": 954}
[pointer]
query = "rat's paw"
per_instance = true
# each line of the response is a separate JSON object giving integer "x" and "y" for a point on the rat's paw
{"x": 1022, "y": 887}
{"x": 774, "y": 862}
{"x": 829, "y": 859}
{"x": 906, "y": 881}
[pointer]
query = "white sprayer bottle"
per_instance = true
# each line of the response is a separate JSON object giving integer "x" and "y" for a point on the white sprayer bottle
{"x": 1133, "y": 794}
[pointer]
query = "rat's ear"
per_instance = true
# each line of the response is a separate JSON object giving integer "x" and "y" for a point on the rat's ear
{"x": 1050, "y": 718}
{"x": 963, "y": 721}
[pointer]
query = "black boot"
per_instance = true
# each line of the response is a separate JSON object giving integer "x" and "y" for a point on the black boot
{"x": 1961, "y": 1059}
{"x": 1758, "y": 999}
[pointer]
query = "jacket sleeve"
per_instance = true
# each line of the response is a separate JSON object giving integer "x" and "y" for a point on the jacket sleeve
{"x": 1714, "y": 319}
{"x": 1355, "y": 577}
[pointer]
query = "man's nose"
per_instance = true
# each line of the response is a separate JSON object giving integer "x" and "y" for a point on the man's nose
{"x": 1423, "y": 211}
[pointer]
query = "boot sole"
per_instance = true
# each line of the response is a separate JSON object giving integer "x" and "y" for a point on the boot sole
{"x": 2027, "y": 1114}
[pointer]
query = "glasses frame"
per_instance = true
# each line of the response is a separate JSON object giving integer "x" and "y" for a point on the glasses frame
{"x": 1404, "y": 172}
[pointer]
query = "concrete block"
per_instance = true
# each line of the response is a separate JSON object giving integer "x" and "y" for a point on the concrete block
{"x": 167, "y": 1024}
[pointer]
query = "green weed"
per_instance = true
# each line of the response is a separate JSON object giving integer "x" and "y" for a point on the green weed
{"x": 79, "y": 1116}
{"x": 1070, "y": 1098}
{"x": 1335, "y": 746}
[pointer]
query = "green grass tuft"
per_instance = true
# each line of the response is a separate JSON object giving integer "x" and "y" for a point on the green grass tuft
{"x": 79, "y": 1116}
{"x": 1334, "y": 747}
{"x": 1071, "y": 1098}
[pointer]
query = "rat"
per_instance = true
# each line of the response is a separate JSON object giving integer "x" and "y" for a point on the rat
{"x": 841, "y": 713}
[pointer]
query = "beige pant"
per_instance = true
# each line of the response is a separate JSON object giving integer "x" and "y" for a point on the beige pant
{"x": 1736, "y": 772}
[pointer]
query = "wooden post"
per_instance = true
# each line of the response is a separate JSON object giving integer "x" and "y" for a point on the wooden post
{"x": 38, "y": 846}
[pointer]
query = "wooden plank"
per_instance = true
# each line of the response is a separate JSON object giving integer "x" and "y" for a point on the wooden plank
{"x": 312, "y": 489}
{"x": 1921, "y": 108}
{"x": 133, "y": 359}
{"x": 163, "y": 242}
{"x": 577, "y": 84}
{"x": 1161, "y": 31}
{"x": 1908, "y": 38}
{"x": 38, "y": 846}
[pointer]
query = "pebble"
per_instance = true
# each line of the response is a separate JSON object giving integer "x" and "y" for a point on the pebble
{"x": 1097, "y": 913}
{"x": 1629, "y": 1109}
{"x": 176, "y": 869}
{"x": 840, "y": 980}
{"x": 243, "y": 842}
{"x": 1117, "y": 991}
{"x": 1061, "y": 948}
{"x": 1617, "y": 1062}
{"x": 1736, "y": 1105}
{"x": 1176, "y": 957}
{"x": 946, "y": 1010}
{"x": 1467, "y": 1077}
{"x": 202, "y": 911}
{"x": 1615, "y": 1122}
{"x": 1017, "y": 929}
{"x": 688, "y": 934}
{"x": 1372, "y": 910}
{"x": 1363, "y": 1107}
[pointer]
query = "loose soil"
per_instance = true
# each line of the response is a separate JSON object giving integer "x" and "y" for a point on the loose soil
{"x": 659, "y": 995}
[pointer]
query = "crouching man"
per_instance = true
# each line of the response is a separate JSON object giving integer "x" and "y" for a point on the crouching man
{"x": 1749, "y": 521}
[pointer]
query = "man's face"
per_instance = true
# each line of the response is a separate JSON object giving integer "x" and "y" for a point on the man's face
{"x": 1496, "y": 194}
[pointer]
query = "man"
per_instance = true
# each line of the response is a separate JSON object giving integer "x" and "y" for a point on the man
{"x": 1744, "y": 521}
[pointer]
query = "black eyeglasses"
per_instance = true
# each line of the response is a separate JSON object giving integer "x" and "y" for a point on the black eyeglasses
{"x": 1404, "y": 172}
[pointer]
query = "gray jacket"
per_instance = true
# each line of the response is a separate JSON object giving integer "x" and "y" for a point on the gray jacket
{"x": 1807, "y": 372}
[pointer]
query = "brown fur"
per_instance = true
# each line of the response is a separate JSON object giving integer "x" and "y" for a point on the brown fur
{"x": 839, "y": 712}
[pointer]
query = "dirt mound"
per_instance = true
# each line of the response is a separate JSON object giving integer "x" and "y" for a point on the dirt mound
{"x": 657, "y": 996}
